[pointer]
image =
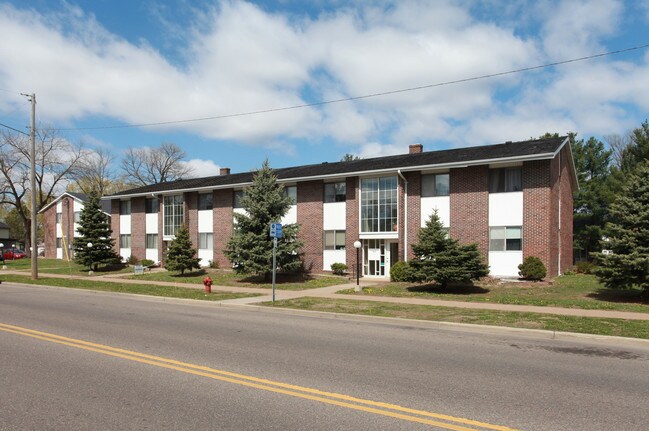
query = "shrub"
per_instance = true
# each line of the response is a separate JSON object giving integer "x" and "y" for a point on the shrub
{"x": 400, "y": 271}
{"x": 146, "y": 262}
{"x": 338, "y": 268}
{"x": 132, "y": 260}
{"x": 584, "y": 267}
{"x": 532, "y": 269}
{"x": 213, "y": 264}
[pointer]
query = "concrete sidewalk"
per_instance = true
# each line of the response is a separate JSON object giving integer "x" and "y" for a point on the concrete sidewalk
{"x": 330, "y": 293}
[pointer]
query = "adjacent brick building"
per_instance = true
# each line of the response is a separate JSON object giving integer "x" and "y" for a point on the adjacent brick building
{"x": 513, "y": 199}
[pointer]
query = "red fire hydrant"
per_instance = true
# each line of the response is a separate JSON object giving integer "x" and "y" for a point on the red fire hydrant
{"x": 207, "y": 282}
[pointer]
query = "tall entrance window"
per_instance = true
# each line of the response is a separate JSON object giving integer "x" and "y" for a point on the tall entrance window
{"x": 379, "y": 208}
{"x": 174, "y": 214}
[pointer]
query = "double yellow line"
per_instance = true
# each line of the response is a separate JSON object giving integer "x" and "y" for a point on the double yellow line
{"x": 379, "y": 408}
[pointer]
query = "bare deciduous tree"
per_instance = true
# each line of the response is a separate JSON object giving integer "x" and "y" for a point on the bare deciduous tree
{"x": 56, "y": 160}
{"x": 154, "y": 165}
{"x": 618, "y": 144}
{"x": 94, "y": 173}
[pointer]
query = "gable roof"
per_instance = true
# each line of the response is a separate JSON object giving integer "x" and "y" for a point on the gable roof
{"x": 80, "y": 197}
{"x": 537, "y": 149}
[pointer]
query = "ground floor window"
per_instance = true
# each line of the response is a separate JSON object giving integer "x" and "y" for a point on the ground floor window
{"x": 125, "y": 241}
{"x": 151, "y": 240}
{"x": 334, "y": 240}
{"x": 206, "y": 241}
{"x": 505, "y": 238}
{"x": 59, "y": 243}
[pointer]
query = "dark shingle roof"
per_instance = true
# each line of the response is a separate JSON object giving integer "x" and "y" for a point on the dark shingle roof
{"x": 486, "y": 154}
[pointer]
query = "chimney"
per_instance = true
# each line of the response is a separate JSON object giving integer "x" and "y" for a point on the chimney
{"x": 415, "y": 149}
{"x": 224, "y": 171}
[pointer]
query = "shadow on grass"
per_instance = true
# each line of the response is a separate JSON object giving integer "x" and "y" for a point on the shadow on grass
{"x": 190, "y": 274}
{"x": 629, "y": 296}
{"x": 456, "y": 289}
{"x": 279, "y": 278}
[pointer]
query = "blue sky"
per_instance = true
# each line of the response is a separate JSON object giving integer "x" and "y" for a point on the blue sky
{"x": 99, "y": 63}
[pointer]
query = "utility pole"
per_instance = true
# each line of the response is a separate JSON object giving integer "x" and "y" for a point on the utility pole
{"x": 32, "y": 182}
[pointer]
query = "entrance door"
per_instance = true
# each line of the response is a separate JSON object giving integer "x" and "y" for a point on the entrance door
{"x": 378, "y": 255}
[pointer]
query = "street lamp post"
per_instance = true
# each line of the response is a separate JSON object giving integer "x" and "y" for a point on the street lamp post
{"x": 357, "y": 246}
{"x": 90, "y": 256}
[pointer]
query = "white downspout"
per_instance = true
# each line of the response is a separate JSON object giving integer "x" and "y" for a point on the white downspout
{"x": 405, "y": 215}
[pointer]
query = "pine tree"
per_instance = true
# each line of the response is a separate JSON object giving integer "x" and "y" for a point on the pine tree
{"x": 94, "y": 228}
{"x": 443, "y": 260}
{"x": 181, "y": 253}
{"x": 628, "y": 232}
{"x": 251, "y": 248}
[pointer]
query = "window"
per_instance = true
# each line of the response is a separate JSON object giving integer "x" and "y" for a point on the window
{"x": 505, "y": 180}
{"x": 205, "y": 201}
{"x": 505, "y": 238}
{"x": 334, "y": 240}
{"x": 238, "y": 197}
{"x": 335, "y": 192}
{"x": 124, "y": 207}
{"x": 151, "y": 206}
{"x": 77, "y": 216}
{"x": 151, "y": 240}
{"x": 174, "y": 214}
{"x": 206, "y": 241}
{"x": 379, "y": 204}
{"x": 291, "y": 192}
{"x": 125, "y": 241}
{"x": 59, "y": 218}
{"x": 59, "y": 242}
{"x": 434, "y": 185}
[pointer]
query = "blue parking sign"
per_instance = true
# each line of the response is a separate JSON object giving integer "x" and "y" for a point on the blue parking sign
{"x": 275, "y": 230}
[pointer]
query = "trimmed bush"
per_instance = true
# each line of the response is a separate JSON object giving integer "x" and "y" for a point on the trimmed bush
{"x": 400, "y": 271}
{"x": 584, "y": 267}
{"x": 146, "y": 262}
{"x": 532, "y": 269}
{"x": 132, "y": 260}
{"x": 338, "y": 268}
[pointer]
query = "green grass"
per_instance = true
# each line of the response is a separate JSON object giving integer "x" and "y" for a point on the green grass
{"x": 138, "y": 289}
{"x": 568, "y": 291}
{"x": 229, "y": 278}
{"x": 585, "y": 325}
{"x": 59, "y": 266}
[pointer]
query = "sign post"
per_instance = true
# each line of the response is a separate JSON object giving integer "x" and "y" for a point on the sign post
{"x": 275, "y": 232}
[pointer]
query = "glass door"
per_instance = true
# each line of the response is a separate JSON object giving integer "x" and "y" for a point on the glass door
{"x": 378, "y": 255}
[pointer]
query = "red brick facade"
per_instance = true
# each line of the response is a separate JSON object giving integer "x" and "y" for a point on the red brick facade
{"x": 223, "y": 227}
{"x": 138, "y": 228}
{"x": 49, "y": 230}
{"x": 352, "y": 220}
{"x": 469, "y": 190}
{"x": 191, "y": 216}
{"x": 114, "y": 222}
{"x": 310, "y": 219}
{"x": 414, "y": 213}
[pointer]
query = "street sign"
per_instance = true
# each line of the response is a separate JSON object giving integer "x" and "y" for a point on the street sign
{"x": 275, "y": 230}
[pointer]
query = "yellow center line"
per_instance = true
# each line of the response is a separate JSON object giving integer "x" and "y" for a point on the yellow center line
{"x": 340, "y": 400}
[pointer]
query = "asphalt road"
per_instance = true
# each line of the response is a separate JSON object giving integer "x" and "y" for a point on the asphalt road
{"x": 71, "y": 360}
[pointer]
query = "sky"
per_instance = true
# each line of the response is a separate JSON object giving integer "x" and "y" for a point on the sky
{"x": 229, "y": 80}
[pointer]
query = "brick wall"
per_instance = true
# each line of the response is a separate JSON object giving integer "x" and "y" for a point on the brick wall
{"x": 469, "y": 188}
{"x": 191, "y": 216}
{"x": 114, "y": 223}
{"x": 138, "y": 228}
{"x": 310, "y": 219}
{"x": 49, "y": 231}
{"x": 162, "y": 248}
{"x": 414, "y": 213}
{"x": 351, "y": 222}
{"x": 566, "y": 214}
{"x": 538, "y": 211}
{"x": 222, "y": 224}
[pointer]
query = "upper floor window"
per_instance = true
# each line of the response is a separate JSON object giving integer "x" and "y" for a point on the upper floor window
{"x": 124, "y": 207}
{"x": 205, "y": 201}
{"x": 505, "y": 238}
{"x": 151, "y": 240}
{"x": 335, "y": 192}
{"x": 291, "y": 192}
{"x": 59, "y": 218}
{"x": 206, "y": 241}
{"x": 334, "y": 240}
{"x": 434, "y": 185}
{"x": 151, "y": 205}
{"x": 237, "y": 198}
{"x": 174, "y": 214}
{"x": 379, "y": 209}
{"x": 505, "y": 180}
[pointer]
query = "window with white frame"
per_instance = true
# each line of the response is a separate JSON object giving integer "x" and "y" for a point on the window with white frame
{"x": 59, "y": 218}
{"x": 379, "y": 208}
{"x": 291, "y": 192}
{"x": 125, "y": 241}
{"x": 205, "y": 201}
{"x": 174, "y": 214}
{"x": 151, "y": 206}
{"x": 124, "y": 207}
{"x": 206, "y": 241}
{"x": 434, "y": 185}
{"x": 151, "y": 240}
{"x": 505, "y": 238}
{"x": 335, "y": 192}
{"x": 237, "y": 198}
{"x": 334, "y": 240}
{"x": 505, "y": 180}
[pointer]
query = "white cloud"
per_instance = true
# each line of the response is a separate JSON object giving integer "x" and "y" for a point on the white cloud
{"x": 202, "y": 168}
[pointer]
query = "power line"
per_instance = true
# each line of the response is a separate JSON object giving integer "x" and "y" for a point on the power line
{"x": 15, "y": 130}
{"x": 366, "y": 96}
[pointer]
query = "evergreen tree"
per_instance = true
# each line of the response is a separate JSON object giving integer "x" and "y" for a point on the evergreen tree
{"x": 94, "y": 228}
{"x": 628, "y": 234}
{"x": 180, "y": 254}
{"x": 251, "y": 248}
{"x": 443, "y": 260}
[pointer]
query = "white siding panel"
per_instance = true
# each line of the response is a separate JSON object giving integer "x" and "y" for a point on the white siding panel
{"x": 332, "y": 256}
{"x": 78, "y": 206}
{"x": 440, "y": 203}
{"x": 506, "y": 209}
{"x": 59, "y": 230}
{"x": 59, "y": 253}
{"x": 152, "y": 254}
{"x": 151, "y": 224}
{"x": 505, "y": 263}
{"x": 125, "y": 253}
{"x": 334, "y": 216}
{"x": 205, "y": 219}
{"x": 59, "y": 207}
{"x": 291, "y": 216}
{"x": 125, "y": 224}
{"x": 76, "y": 227}
{"x": 205, "y": 256}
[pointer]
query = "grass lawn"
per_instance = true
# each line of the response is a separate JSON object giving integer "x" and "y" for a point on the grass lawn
{"x": 229, "y": 278}
{"x": 568, "y": 291}
{"x": 585, "y": 325}
{"x": 139, "y": 289}
{"x": 60, "y": 266}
